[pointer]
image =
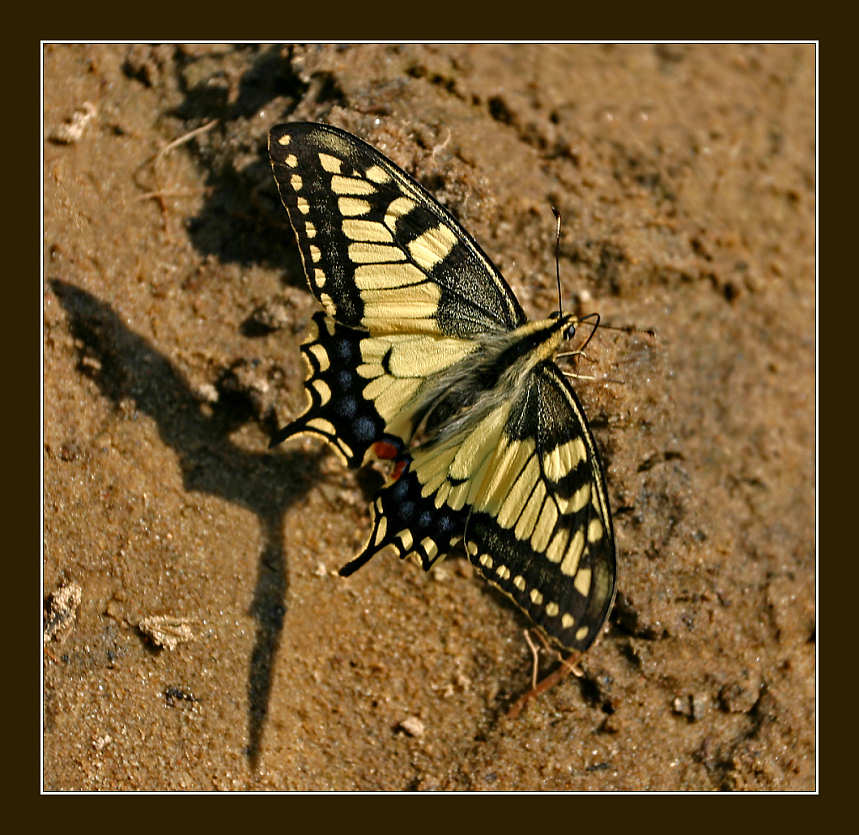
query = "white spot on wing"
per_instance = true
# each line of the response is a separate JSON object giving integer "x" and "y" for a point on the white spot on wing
{"x": 321, "y": 356}
{"x": 583, "y": 582}
{"x": 555, "y": 551}
{"x": 367, "y": 253}
{"x": 544, "y": 527}
{"x": 397, "y": 209}
{"x": 574, "y": 550}
{"x": 385, "y": 276}
{"x": 367, "y": 230}
{"x": 381, "y": 529}
{"x": 376, "y": 174}
{"x": 429, "y": 546}
{"x": 322, "y": 425}
{"x": 322, "y": 388}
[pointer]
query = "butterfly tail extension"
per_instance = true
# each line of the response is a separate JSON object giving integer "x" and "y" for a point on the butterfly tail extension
{"x": 297, "y": 427}
{"x": 411, "y": 523}
{"x": 378, "y": 251}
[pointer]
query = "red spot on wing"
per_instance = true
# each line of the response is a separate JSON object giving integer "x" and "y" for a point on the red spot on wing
{"x": 388, "y": 452}
{"x": 384, "y": 450}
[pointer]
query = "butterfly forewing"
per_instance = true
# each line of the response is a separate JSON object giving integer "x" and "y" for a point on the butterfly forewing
{"x": 424, "y": 352}
{"x": 540, "y": 527}
{"x": 378, "y": 251}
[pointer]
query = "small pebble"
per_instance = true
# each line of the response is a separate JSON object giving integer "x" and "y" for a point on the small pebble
{"x": 412, "y": 726}
{"x": 62, "y": 612}
{"x": 166, "y": 631}
{"x": 72, "y": 129}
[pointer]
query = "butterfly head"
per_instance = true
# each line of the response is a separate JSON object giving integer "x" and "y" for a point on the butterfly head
{"x": 566, "y": 323}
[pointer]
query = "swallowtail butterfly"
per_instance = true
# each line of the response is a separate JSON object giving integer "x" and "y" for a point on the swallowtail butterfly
{"x": 424, "y": 356}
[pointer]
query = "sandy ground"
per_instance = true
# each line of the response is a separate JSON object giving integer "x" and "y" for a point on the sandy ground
{"x": 198, "y": 636}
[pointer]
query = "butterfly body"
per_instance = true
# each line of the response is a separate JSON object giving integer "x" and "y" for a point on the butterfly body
{"x": 423, "y": 355}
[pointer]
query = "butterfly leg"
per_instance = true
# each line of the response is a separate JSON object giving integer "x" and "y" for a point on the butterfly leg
{"x": 567, "y": 667}
{"x": 535, "y": 655}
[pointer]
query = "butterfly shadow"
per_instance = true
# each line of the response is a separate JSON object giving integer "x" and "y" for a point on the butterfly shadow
{"x": 125, "y": 366}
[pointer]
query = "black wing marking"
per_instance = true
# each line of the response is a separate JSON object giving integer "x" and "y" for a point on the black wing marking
{"x": 523, "y": 487}
{"x": 378, "y": 251}
{"x": 364, "y": 389}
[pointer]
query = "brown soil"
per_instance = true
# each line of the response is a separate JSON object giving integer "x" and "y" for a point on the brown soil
{"x": 174, "y": 305}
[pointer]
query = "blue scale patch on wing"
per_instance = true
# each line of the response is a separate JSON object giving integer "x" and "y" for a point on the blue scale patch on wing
{"x": 378, "y": 251}
{"x": 336, "y": 409}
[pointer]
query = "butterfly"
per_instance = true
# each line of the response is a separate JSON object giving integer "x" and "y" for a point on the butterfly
{"x": 423, "y": 356}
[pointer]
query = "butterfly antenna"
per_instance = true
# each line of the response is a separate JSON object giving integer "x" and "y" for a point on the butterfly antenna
{"x": 596, "y": 319}
{"x": 630, "y": 329}
{"x": 557, "y": 215}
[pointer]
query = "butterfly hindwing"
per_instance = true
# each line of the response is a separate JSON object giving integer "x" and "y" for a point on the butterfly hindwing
{"x": 364, "y": 389}
{"x": 411, "y": 523}
{"x": 378, "y": 251}
{"x": 337, "y": 409}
